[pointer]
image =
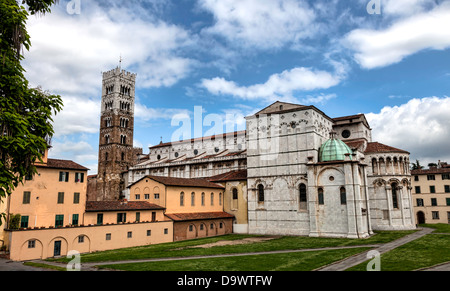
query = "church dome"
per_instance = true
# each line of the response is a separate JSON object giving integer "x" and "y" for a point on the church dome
{"x": 334, "y": 150}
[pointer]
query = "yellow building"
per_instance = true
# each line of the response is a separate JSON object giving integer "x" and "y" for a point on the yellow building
{"x": 194, "y": 205}
{"x": 431, "y": 194}
{"x": 55, "y": 217}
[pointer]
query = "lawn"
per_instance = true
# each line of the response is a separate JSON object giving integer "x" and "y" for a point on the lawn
{"x": 180, "y": 249}
{"x": 430, "y": 250}
{"x": 300, "y": 261}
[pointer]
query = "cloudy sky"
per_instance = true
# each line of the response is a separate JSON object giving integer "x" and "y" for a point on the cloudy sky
{"x": 231, "y": 58}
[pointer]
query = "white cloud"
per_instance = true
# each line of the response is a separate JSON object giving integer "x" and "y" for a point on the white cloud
{"x": 407, "y": 36}
{"x": 405, "y": 7}
{"x": 421, "y": 126}
{"x": 145, "y": 113}
{"x": 69, "y": 51}
{"x": 260, "y": 24}
{"x": 77, "y": 117}
{"x": 278, "y": 86}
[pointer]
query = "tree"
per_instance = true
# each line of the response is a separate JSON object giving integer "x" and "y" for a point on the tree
{"x": 25, "y": 113}
{"x": 416, "y": 165}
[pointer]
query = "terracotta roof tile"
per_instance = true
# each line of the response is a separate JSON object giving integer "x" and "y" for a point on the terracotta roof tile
{"x": 431, "y": 171}
{"x": 376, "y": 147}
{"x": 171, "y": 181}
{"x": 198, "y": 216}
{"x": 230, "y": 176}
{"x": 100, "y": 206}
{"x": 62, "y": 164}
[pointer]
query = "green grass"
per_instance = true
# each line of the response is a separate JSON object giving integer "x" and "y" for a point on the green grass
{"x": 301, "y": 261}
{"x": 45, "y": 266}
{"x": 440, "y": 227}
{"x": 424, "y": 252}
{"x": 178, "y": 249}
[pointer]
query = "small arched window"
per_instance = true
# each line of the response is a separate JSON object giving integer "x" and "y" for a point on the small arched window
{"x": 343, "y": 196}
{"x": 320, "y": 198}
{"x": 235, "y": 193}
{"x": 182, "y": 199}
{"x": 260, "y": 193}
{"x": 302, "y": 196}
{"x": 394, "y": 196}
{"x": 203, "y": 199}
{"x": 193, "y": 199}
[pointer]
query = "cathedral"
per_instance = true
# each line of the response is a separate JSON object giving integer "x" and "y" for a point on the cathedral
{"x": 293, "y": 171}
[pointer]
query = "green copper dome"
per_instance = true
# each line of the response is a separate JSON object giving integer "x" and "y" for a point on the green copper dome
{"x": 334, "y": 150}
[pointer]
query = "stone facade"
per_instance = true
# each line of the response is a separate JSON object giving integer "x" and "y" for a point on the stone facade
{"x": 116, "y": 152}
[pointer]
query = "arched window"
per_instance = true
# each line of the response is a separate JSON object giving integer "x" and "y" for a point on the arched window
{"x": 220, "y": 198}
{"x": 260, "y": 193}
{"x": 193, "y": 199}
{"x": 203, "y": 199}
{"x": 106, "y": 156}
{"x": 394, "y": 196}
{"x": 182, "y": 199}
{"x": 212, "y": 198}
{"x": 343, "y": 196}
{"x": 320, "y": 198}
{"x": 123, "y": 156}
{"x": 235, "y": 193}
{"x": 302, "y": 196}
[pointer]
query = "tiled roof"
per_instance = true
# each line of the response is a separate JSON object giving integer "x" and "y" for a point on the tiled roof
{"x": 171, "y": 181}
{"x": 431, "y": 171}
{"x": 230, "y": 176}
{"x": 198, "y": 216}
{"x": 62, "y": 164}
{"x": 97, "y": 206}
{"x": 376, "y": 147}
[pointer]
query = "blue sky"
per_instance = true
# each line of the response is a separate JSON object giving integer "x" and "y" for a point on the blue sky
{"x": 239, "y": 56}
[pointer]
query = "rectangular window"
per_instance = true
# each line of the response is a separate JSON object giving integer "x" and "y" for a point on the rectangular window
{"x": 166, "y": 231}
{"x": 431, "y": 177}
{"x": 108, "y": 236}
{"x": 138, "y": 216}
{"x": 99, "y": 218}
{"x": 419, "y": 202}
{"x": 81, "y": 239}
{"x": 137, "y": 196}
{"x": 31, "y": 244}
{"x": 24, "y": 221}
{"x": 448, "y": 201}
{"x": 121, "y": 217}
{"x": 60, "y": 197}
{"x": 76, "y": 198}
{"x": 63, "y": 176}
{"x": 416, "y": 178}
{"x": 447, "y": 188}
{"x": 26, "y": 197}
{"x": 156, "y": 196}
{"x": 432, "y": 189}
{"x": 149, "y": 232}
{"x": 445, "y": 176}
{"x": 433, "y": 202}
{"x": 79, "y": 177}
{"x": 75, "y": 219}
{"x": 417, "y": 189}
{"x": 146, "y": 196}
{"x": 59, "y": 220}
{"x": 435, "y": 214}
{"x": 130, "y": 234}
{"x": 153, "y": 216}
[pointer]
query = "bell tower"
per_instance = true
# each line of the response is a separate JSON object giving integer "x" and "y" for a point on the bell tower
{"x": 116, "y": 152}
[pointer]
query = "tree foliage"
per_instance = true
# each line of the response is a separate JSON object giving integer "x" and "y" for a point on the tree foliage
{"x": 25, "y": 113}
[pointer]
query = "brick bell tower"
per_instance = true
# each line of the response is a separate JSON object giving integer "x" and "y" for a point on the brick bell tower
{"x": 116, "y": 152}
